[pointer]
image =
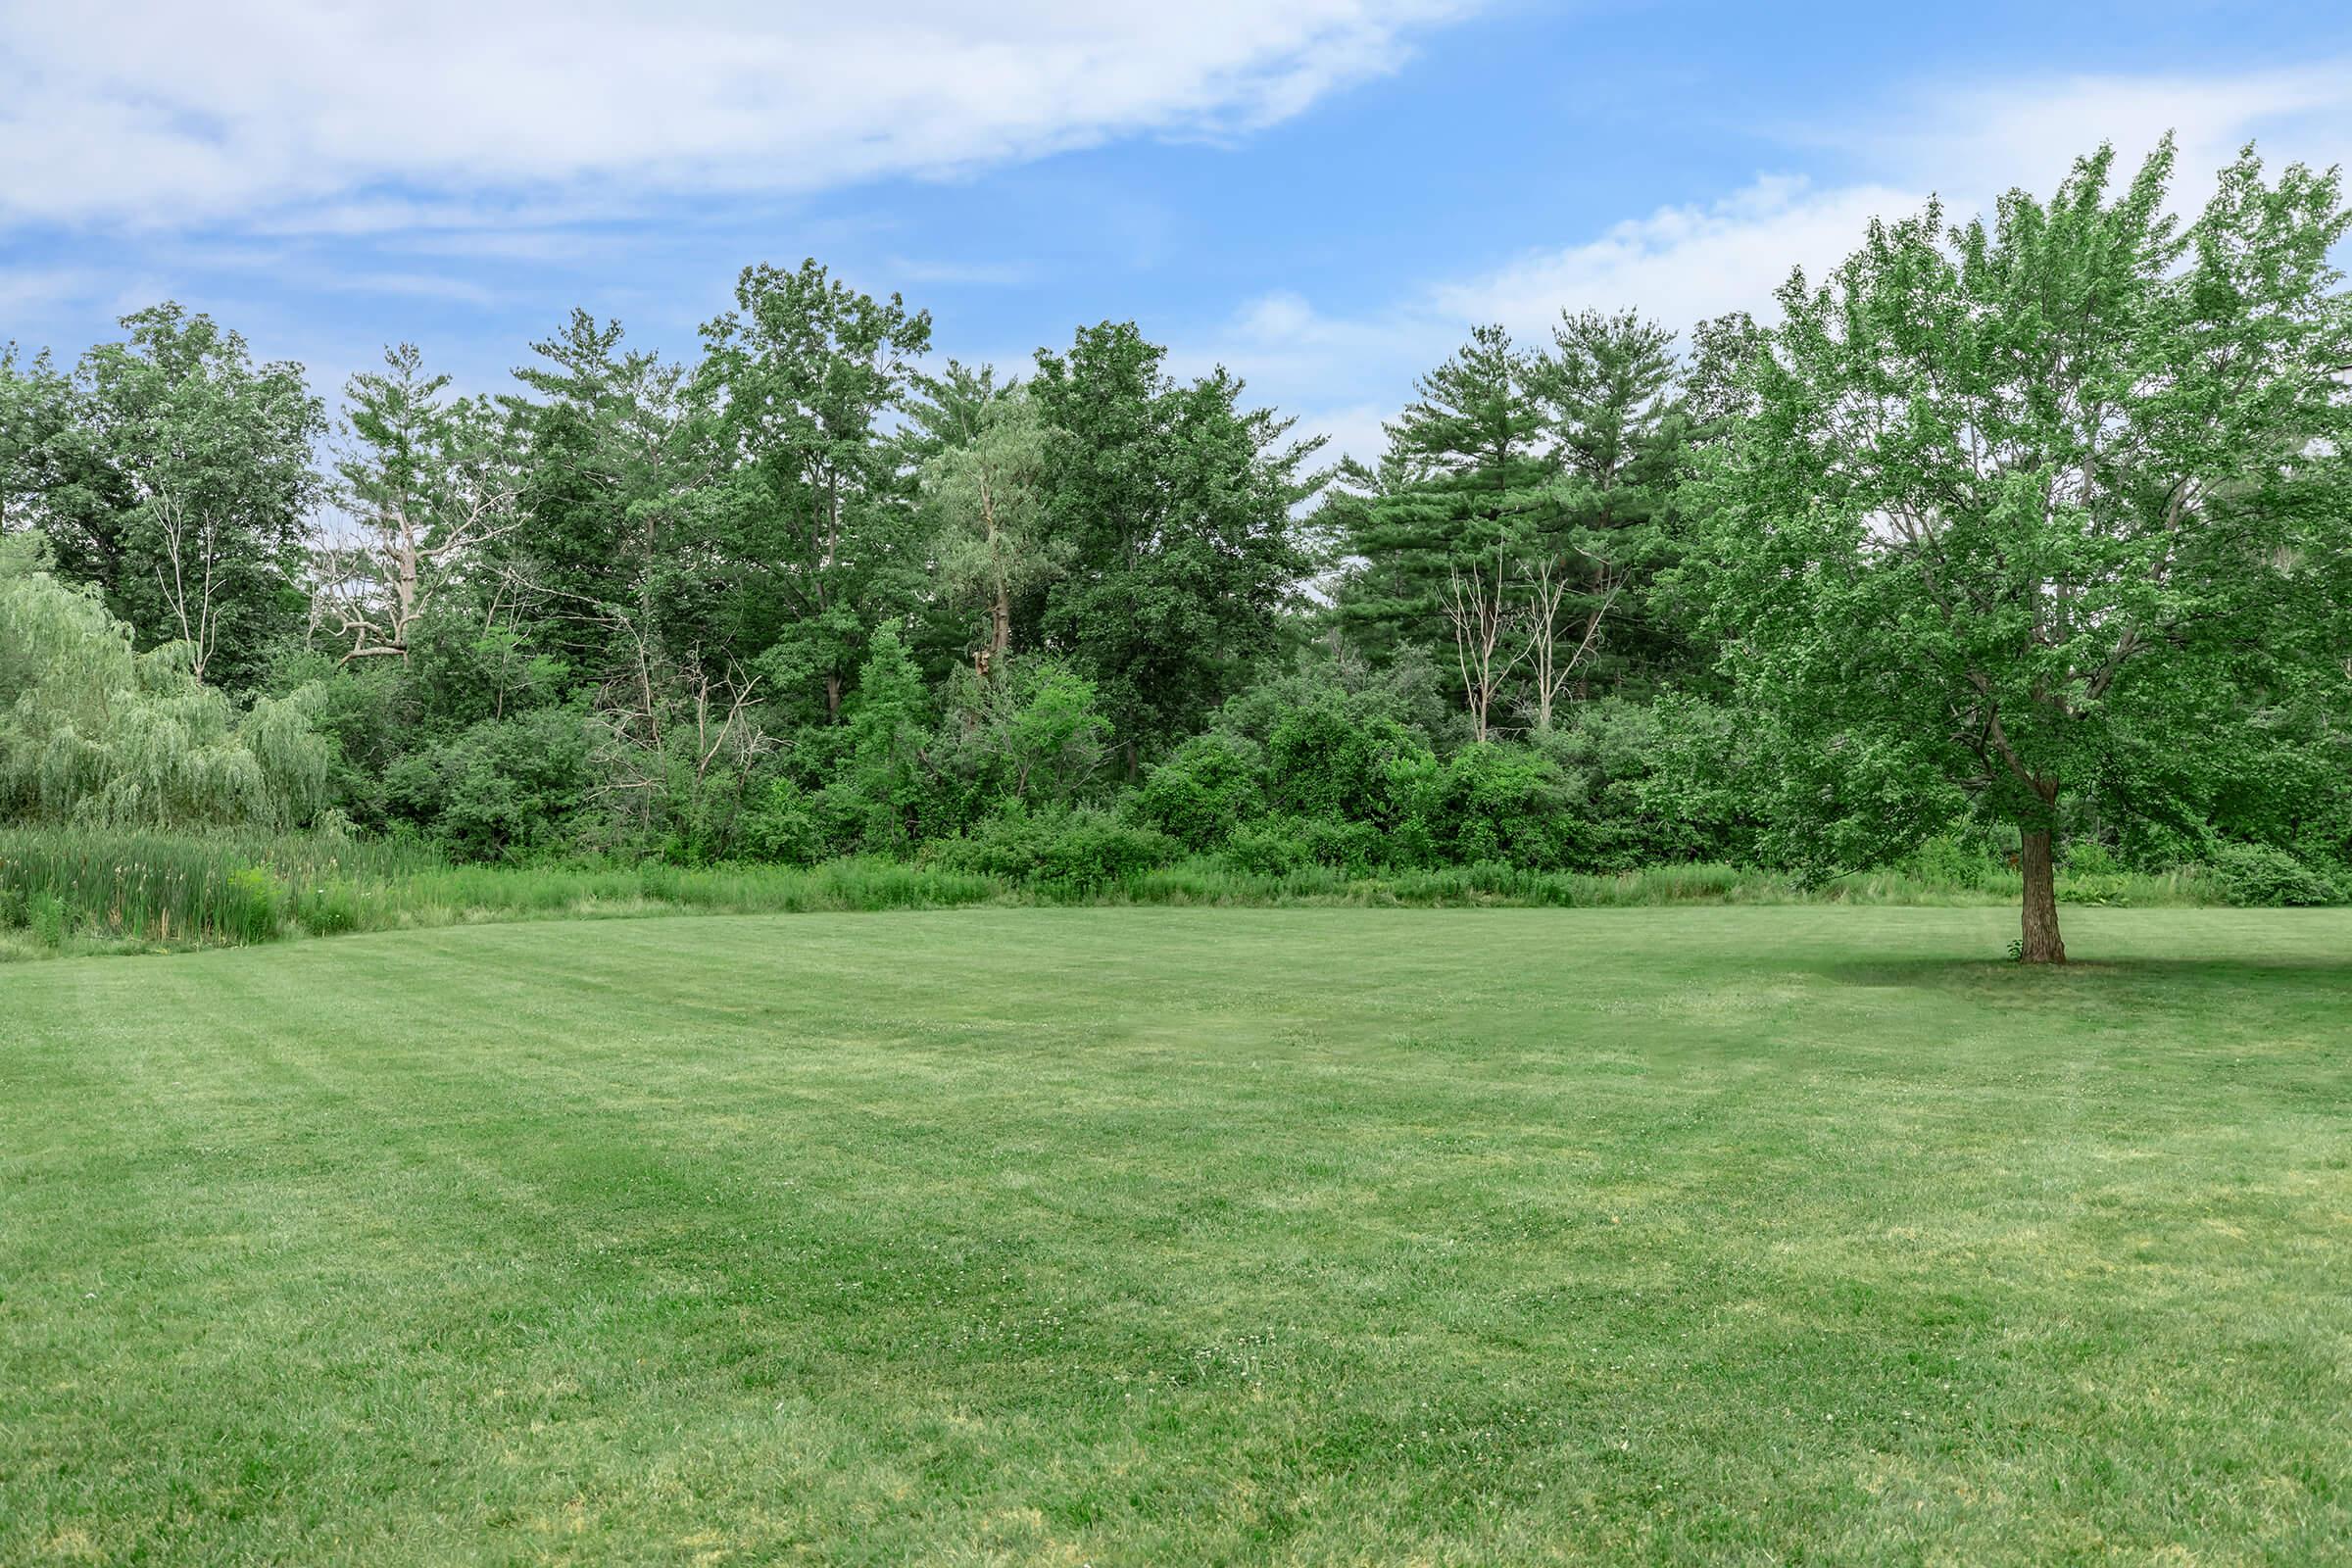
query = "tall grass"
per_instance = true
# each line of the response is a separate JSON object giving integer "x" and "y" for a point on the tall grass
{"x": 68, "y": 890}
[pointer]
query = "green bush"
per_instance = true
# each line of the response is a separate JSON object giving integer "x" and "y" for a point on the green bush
{"x": 1487, "y": 804}
{"x": 780, "y": 825}
{"x": 1210, "y": 786}
{"x": 1658, "y": 782}
{"x": 1278, "y": 846}
{"x": 1322, "y": 762}
{"x": 2259, "y": 876}
{"x": 1264, "y": 848}
{"x": 1945, "y": 860}
{"x": 1063, "y": 850}
{"x": 501, "y": 790}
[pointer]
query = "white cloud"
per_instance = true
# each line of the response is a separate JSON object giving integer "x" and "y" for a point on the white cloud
{"x": 1680, "y": 264}
{"x": 1683, "y": 263}
{"x": 153, "y": 113}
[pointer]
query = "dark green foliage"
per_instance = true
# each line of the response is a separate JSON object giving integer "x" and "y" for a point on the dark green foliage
{"x": 504, "y": 789}
{"x": 1172, "y": 505}
{"x": 1324, "y": 761}
{"x": 1466, "y": 475}
{"x": 1487, "y": 803}
{"x": 2258, "y": 875}
{"x": 1057, "y": 849}
{"x": 1211, "y": 787}
{"x": 1659, "y": 781}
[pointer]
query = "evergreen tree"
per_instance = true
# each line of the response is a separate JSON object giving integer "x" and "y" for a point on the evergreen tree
{"x": 1607, "y": 393}
{"x": 1466, "y": 475}
{"x": 1172, "y": 507}
{"x": 611, "y": 472}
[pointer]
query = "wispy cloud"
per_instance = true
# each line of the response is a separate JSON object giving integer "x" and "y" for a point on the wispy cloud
{"x": 999, "y": 275}
{"x": 1685, "y": 262}
{"x": 382, "y": 115}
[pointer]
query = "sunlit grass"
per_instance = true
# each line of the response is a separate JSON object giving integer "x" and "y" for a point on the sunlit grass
{"x": 1148, "y": 1235}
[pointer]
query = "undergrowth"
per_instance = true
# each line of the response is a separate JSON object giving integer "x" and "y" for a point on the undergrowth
{"x": 79, "y": 891}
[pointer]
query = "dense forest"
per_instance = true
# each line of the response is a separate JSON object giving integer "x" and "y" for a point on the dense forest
{"x": 2024, "y": 538}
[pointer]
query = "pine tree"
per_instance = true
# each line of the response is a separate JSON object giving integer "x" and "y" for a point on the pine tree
{"x": 1608, "y": 398}
{"x": 1465, "y": 471}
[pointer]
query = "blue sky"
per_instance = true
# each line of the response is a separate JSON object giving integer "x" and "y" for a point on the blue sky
{"x": 1324, "y": 196}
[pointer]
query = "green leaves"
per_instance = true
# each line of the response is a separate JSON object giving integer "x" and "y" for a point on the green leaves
{"x": 2017, "y": 505}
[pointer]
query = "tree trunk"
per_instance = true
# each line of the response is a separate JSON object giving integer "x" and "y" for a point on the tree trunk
{"x": 2042, "y": 944}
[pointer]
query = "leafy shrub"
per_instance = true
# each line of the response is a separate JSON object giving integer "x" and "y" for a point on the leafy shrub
{"x": 1487, "y": 803}
{"x": 2257, "y": 875}
{"x": 2089, "y": 857}
{"x": 1264, "y": 848}
{"x": 501, "y": 790}
{"x": 1323, "y": 763}
{"x": 1210, "y": 786}
{"x": 1949, "y": 861}
{"x": 1065, "y": 850}
{"x": 1352, "y": 847}
{"x": 780, "y": 824}
{"x": 1280, "y": 846}
{"x": 1658, "y": 781}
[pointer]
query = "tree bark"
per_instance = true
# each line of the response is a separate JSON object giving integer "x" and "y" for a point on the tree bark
{"x": 2041, "y": 943}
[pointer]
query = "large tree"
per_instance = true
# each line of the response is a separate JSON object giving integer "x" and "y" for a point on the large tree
{"x": 810, "y": 532}
{"x": 1609, "y": 397}
{"x": 983, "y": 493}
{"x": 184, "y": 488}
{"x": 612, "y": 468}
{"x": 1468, "y": 478}
{"x": 1171, "y": 506}
{"x": 428, "y": 484}
{"x": 2023, "y": 505}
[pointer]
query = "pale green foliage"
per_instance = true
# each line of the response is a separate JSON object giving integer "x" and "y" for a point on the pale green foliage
{"x": 982, "y": 496}
{"x": 2037, "y": 507}
{"x": 94, "y": 732}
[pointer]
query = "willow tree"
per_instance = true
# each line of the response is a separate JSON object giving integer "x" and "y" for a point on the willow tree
{"x": 94, "y": 732}
{"x": 2032, "y": 506}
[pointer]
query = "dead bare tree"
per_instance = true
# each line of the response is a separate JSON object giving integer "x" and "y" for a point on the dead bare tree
{"x": 1487, "y": 645}
{"x": 375, "y": 589}
{"x": 1549, "y": 584}
{"x": 192, "y": 555}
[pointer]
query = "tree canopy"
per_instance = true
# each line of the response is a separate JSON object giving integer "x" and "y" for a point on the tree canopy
{"x": 2010, "y": 548}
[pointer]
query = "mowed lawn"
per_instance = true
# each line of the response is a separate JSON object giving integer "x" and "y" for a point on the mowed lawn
{"x": 1173, "y": 1236}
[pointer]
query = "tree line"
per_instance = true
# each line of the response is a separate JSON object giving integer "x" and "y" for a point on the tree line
{"x": 2028, "y": 531}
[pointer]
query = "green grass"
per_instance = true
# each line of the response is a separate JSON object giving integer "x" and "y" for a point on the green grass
{"x": 1172, "y": 1236}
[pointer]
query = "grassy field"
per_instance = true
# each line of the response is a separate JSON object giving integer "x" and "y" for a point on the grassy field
{"x": 1166, "y": 1235}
